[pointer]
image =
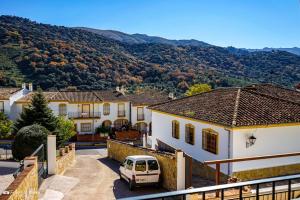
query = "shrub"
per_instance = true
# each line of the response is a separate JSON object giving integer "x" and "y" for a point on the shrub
{"x": 28, "y": 139}
{"x": 65, "y": 130}
{"x": 5, "y": 126}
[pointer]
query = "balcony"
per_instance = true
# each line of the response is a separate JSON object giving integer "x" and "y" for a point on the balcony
{"x": 121, "y": 113}
{"x": 140, "y": 117}
{"x": 82, "y": 115}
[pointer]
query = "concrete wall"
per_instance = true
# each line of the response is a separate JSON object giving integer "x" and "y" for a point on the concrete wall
{"x": 168, "y": 163}
{"x": 269, "y": 141}
{"x": 25, "y": 186}
{"x": 162, "y": 130}
{"x": 66, "y": 160}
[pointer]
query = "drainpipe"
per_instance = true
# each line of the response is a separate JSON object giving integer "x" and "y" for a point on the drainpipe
{"x": 130, "y": 112}
{"x": 229, "y": 149}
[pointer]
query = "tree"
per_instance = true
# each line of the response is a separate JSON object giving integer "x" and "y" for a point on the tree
{"x": 65, "y": 130}
{"x": 28, "y": 139}
{"x": 5, "y": 125}
{"x": 36, "y": 113}
{"x": 197, "y": 89}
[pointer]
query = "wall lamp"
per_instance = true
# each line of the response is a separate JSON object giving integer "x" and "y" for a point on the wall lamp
{"x": 250, "y": 141}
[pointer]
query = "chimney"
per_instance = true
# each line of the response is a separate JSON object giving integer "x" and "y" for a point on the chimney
{"x": 30, "y": 87}
{"x": 122, "y": 90}
{"x": 117, "y": 89}
{"x": 23, "y": 85}
{"x": 171, "y": 96}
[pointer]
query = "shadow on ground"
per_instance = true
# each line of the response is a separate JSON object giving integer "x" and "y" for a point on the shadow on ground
{"x": 120, "y": 187}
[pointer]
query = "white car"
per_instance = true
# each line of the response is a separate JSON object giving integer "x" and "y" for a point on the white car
{"x": 140, "y": 170}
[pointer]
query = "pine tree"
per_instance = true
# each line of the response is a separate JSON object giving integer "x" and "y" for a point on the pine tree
{"x": 36, "y": 113}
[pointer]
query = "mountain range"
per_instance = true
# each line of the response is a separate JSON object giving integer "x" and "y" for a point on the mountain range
{"x": 143, "y": 38}
{"x": 55, "y": 57}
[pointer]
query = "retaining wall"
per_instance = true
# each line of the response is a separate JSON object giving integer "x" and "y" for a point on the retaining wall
{"x": 168, "y": 162}
{"x": 66, "y": 158}
{"x": 25, "y": 186}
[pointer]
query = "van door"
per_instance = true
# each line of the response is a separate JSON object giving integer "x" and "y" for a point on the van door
{"x": 128, "y": 169}
{"x": 153, "y": 171}
{"x": 141, "y": 171}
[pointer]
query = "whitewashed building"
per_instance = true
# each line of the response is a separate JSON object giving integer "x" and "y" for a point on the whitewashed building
{"x": 8, "y": 97}
{"x": 232, "y": 123}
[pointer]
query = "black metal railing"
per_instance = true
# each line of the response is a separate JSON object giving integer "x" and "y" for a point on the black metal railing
{"x": 281, "y": 188}
{"x": 74, "y": 115}
{"x": 121, "y": 113}
{"x": 40, "y": 153}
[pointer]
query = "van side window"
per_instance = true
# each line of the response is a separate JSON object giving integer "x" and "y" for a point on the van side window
{"x": 152, "y": 165}
{"x": 140, "y": 165}
{"x": 129, "y": 164}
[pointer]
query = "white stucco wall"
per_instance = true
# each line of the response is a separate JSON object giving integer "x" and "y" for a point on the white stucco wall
{"x": 273, "y": 140}
{"x": 12, "y": 107}
{"x": 147, "y": 115}
{"x": 162, "y": 130}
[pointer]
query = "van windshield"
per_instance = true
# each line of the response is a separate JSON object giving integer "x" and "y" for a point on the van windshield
{"x": 140, "y": 165}
{"x": 152, "y": 165}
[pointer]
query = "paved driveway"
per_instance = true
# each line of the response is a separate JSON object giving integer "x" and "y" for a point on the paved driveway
{"x": 7, "y": 168}
{"x": 94, "y": 176}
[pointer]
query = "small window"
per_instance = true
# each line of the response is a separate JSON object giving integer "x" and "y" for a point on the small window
{"x": 1, "y": 106}
{"x": 121, "y": 110}
{"x": 140, "y": 114}
{"x": 190, "y": 134}
{"x": 210, "y": 140}
{"x": 152, "y": 165}
{"x": 62, "y": 109}
{"x": 129, "y": 164}
{"x": 175, "y": 129}
{"x": 106, "y": 109}
{"x": 86, "y": 127}
{"x": 140, "y": 165}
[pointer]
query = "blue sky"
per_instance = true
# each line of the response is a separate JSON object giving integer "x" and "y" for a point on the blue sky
{"x": 239, "y": 23}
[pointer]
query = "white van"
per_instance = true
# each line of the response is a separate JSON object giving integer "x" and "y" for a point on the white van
{"x": 140, "y": 170}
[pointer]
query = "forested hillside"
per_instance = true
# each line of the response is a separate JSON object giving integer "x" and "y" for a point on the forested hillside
{"x": 57, "y": 57}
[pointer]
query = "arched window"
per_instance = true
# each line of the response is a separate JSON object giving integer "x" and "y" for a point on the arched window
{"x": 190, "y": 134}
{"x": 106, "y": 109}
{"x": 210, "y": 140}
{"x": 141, "y": 126}
{"x": 175, "y": 129}
{"x": 62, "y": 109}
{"x": 106, "y": 123}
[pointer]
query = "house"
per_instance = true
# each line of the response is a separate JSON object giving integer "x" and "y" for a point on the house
{"x": 139, "y": 102}
{"x": 8, "y": 96}
{"x": 233, "y": 123}
{"x": 88, "y": 109}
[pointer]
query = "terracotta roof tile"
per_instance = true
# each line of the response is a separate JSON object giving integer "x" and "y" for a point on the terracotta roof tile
{"x": 232, "y": 108}
{"x": 148, "y": 98}
{"x": 5, "y": 93}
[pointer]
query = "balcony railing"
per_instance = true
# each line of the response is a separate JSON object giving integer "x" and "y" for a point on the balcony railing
{"x": 140, "y": 117}
{"x": 283, "y": 188}
{"x": 83, "y": 115}
{"x": 121, "y": 113}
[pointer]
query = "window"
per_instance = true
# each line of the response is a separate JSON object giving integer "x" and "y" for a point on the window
{"x": 86, "y": 127}
{"x": 175, "y": 129}
{"x": 106, "y": 109}
{"x": 62, "y": 109}
{"x": 121, "y": 110}
{"x": 210, "y": 140}
{"x": 140, "y": 165}
{"x": 150, "y": 129}
{"x": 1, "y": 106}
{"x": 86, "y": 108}
{"x": 190, "y": 134}
{"x": 140, "y": 113}
{"x": 152, "y": 165}
{"x": 129, "y": 164}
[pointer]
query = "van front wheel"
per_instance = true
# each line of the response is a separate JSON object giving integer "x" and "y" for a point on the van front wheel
{"x": 131, "y": 185}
